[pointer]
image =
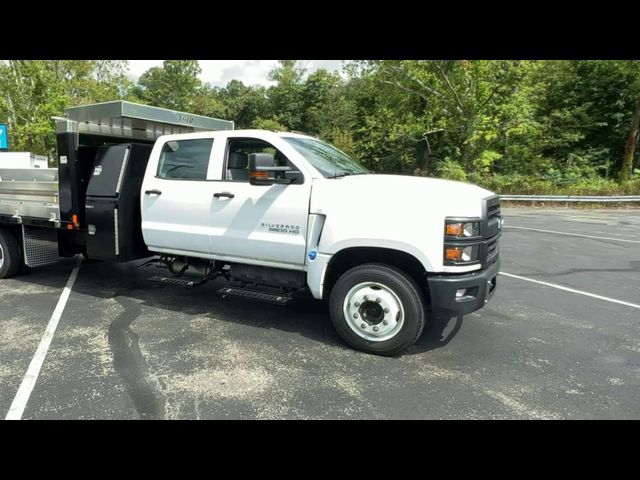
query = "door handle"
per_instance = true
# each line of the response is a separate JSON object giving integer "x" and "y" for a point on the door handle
{"x": 223, "y": 194}
{"x": 153, "y": 192}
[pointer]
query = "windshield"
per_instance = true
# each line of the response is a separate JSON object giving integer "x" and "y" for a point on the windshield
{"x": 328, "y": 160}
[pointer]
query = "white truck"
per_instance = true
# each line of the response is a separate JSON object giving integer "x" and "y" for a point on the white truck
{"x": 22, "y": 160}
{"x": 274, "y": 213}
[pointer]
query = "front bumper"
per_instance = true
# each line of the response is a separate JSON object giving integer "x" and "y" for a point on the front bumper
{"x": 479, "y": 285}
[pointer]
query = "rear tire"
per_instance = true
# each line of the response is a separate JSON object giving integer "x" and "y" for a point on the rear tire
{"x": 378, "y": 309}
{"x": 10, "y": 255}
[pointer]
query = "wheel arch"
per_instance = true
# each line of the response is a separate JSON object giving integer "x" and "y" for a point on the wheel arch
{"x": 351, "y": 257}
{"x": 14, "y": 232}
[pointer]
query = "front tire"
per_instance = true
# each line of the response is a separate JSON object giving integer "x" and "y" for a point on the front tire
{"x": 378, "y": 309}
{"x": 10, "y": 255}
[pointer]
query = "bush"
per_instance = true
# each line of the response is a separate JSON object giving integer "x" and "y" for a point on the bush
{"x": 268, "y": 124}
{"x": 524, "y": 185}
{"x": 452, "y": 170}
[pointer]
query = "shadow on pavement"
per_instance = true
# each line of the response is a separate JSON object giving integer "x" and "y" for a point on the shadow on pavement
{"x": 126, "y": 283}
{"x": 438, "y": 332}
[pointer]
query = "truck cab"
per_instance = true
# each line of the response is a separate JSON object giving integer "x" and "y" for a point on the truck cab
{"x": 286, "y": 210}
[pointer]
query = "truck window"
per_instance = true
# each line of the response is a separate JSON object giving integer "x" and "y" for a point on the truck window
{"x": 237, "y": 161}
{"x": 185, "y": 159}
{"x": 327, "y": 159}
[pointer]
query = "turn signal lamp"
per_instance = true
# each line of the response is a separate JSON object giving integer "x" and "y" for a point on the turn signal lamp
{"x": 462, "y": 229}
{"x": 455, "y": 229}
{"x": 461, "y": 254}
{"x": 453, "y": 254}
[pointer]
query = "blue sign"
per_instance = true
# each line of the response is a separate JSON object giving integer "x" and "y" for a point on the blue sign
{"x": 4, "y": 137}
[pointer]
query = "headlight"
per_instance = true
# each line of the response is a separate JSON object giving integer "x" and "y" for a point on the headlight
{"x": 462, "y": 229}
{"x": 461, "y": 254}
{"x": 462, "y": 240}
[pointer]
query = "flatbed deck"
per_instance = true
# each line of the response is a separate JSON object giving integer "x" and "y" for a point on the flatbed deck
{"x": 31, "y": 193}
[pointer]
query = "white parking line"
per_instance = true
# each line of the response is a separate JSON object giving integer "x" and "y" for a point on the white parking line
{"x": 573, "y": 234}
{"x": 29, "y": 381}
{"x": 572, "y": 290}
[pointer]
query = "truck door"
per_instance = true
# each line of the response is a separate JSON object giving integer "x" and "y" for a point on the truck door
{"x": 177, "y": 198}
{"x": 258, "y": 224}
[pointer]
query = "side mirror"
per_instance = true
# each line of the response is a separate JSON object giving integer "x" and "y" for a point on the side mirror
{"x": 262, "y": 169}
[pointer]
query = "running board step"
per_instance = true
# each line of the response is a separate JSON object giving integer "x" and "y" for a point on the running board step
{"x": 176, "y": 281}
{"x": 282, "y": 299}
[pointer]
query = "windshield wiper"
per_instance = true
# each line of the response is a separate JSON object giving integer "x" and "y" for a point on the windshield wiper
{"x": 344, "y": 174}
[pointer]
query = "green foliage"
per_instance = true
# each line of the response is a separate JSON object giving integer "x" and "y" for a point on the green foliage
{"x": 342, "y": 140}
{"x": 562, "y": 120}
{"x": 286, "y": 97}
{"x": 516, "y": 126}
{"x": 32, "y": 91}
{"x": 452, "y": 170}
{"x": 525, "y": 185}
{"x": 269, "y": 124}
{"x": 174, "y": 85}
{"x": 585, "y": 110}
{"x": 242, "y": 104}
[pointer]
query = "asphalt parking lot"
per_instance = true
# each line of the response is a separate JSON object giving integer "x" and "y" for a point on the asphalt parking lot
{"x": 126, "y": 348}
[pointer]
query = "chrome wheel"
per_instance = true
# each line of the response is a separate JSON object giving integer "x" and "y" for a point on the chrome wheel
{"x": 373, "y": 311}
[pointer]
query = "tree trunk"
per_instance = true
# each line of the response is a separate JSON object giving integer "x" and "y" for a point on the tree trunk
{"x": 426, "y": 156}
{"x": 630, "y": 147}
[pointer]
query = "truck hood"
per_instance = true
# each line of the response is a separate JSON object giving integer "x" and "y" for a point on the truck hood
{"x": 394, "y": 212}
{"x": 391, "y": 192}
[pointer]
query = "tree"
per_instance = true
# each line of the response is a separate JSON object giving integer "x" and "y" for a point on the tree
{"x": 286, "y": 96}
{"x": 33, "y": 91}
{"x": 585, "y": 109}
{"x": 479, "y": 120}
{"x": 174, "y": 85}
{"x": 441, "y": 112}
{"x": 244, "y": 104}
{"x": 268, "y": 124}
{"x": 327, "y": 110}
{"x": 630, "y": 147}
{"x": 112, "y": 81}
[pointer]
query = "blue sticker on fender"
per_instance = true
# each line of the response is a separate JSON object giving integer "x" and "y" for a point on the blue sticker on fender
{"x": 312, "y": 255}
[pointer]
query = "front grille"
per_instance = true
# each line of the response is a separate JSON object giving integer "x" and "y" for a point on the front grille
{"x": 486, "y": 244}
{"x": 492, "y": 247}
{"x": 493, "y": 210}
{"x": 491, "y": 229}
{"x": 492, "y": 217}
